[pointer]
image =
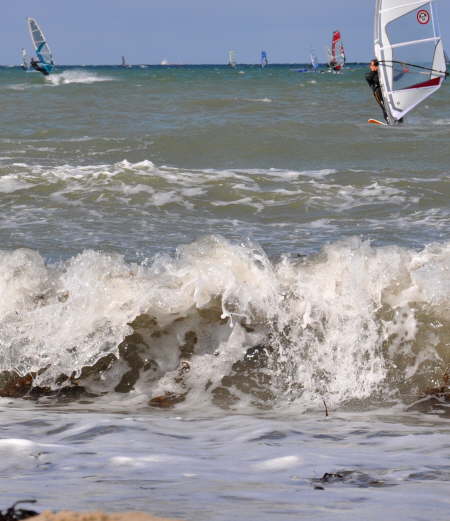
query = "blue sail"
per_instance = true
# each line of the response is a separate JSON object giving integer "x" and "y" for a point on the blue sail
{"x": 264, "y": 60}
{"x": 45, "y": 62}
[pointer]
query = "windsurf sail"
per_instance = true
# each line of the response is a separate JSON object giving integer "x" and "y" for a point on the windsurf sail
{"x": 232, "y": 58}
{"x": 124, "y": 63}
{"x": 264, "y": 60}
{"x": 410, "y": 52}
{"x": 25, "y": 60}
{"x": 313, "y": 59}
{"x": 42, "y": 49}
{"x": 336, "y": 54}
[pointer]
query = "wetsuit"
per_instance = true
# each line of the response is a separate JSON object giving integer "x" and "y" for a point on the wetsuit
{"x": 374, "y": 83}
{"x": 36, "y": 67}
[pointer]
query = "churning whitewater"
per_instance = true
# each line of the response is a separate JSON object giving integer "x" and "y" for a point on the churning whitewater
{"x": 220, "y": 322}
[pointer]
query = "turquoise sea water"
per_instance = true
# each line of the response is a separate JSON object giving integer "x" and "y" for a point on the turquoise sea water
{"x": 198, "y": 262}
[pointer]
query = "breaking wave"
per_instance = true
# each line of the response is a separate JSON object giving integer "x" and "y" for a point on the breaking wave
{"x": 222, "y": 323}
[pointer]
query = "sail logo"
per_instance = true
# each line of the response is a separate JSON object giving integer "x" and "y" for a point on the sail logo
{"x": 423, "y": 16}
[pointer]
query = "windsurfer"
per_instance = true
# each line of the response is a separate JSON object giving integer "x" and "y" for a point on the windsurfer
{"x": 35, "y": 64}
{"x": 373, "y": 80}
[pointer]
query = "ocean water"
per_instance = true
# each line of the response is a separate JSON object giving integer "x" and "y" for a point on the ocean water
{"x": 225, "y": 296}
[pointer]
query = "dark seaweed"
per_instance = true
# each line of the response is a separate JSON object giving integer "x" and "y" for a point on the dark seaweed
{"x": 16, "y": 514}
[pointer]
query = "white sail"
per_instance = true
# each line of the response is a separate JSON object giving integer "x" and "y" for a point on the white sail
{"x": 336, "y": 53}
{"x": 41, "y": 46}
{"x": 410, "y": 51}
{"x": 25, "y": 61}
{"x": 313, "y": 59}
{"x": 232, "y": 58}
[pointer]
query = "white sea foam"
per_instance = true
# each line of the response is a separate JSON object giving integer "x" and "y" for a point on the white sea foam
{"x": 259, "y": 100}
{"x": 278, "y": 464}
{"x": 442, "y": 122}
{"x": 16, "y": 445}
{"x": 337, "y": 325}
{"x": 17, "y": 454}
{"x": 18, "y": 87}
{"x": 246, "y": 201}
{"x": 143, "y": 461}
{"x": 141, "y": 190}
{"x": 10, "y": 184}
{"x": 75, "y": 76}
{"x": 169, "y": 185}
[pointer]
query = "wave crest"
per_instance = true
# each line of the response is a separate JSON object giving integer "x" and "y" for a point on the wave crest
{"x": 220, "y": 322}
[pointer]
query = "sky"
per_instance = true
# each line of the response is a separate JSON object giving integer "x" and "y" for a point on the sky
{"x": 84, "y": 32}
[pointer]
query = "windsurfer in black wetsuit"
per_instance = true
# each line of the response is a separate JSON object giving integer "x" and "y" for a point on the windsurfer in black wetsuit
{"x": 35, "y": 64}
{"x": 374, "y": 82}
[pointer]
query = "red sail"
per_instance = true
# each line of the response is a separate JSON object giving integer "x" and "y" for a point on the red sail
{"x": 337, "y": 54}
{"x": 334, "y": 42}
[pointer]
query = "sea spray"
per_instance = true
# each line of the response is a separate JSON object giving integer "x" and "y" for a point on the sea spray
{"x": 75, "y": 76}
{"x": 222, "y": 322}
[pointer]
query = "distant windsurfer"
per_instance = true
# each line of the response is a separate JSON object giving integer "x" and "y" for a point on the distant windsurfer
{"x": 35, "y": 64}
{"x": 373, "y": 80}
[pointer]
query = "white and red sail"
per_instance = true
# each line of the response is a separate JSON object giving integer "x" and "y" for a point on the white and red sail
{"x": 410, "y": 52}
{"x": 336, "y": 57}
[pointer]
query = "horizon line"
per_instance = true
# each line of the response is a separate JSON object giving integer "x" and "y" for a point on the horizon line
{"x": 185, "y": 64}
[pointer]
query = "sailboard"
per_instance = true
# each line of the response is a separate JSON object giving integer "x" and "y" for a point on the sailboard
{"x": 232, "y": 58}
{"x": 336, "y": 53}
{"x": 264, "y": 60}
{"x": 410, "y": 52}
{"x": 376, "y": 122}
{"x": 45, "y": 63}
